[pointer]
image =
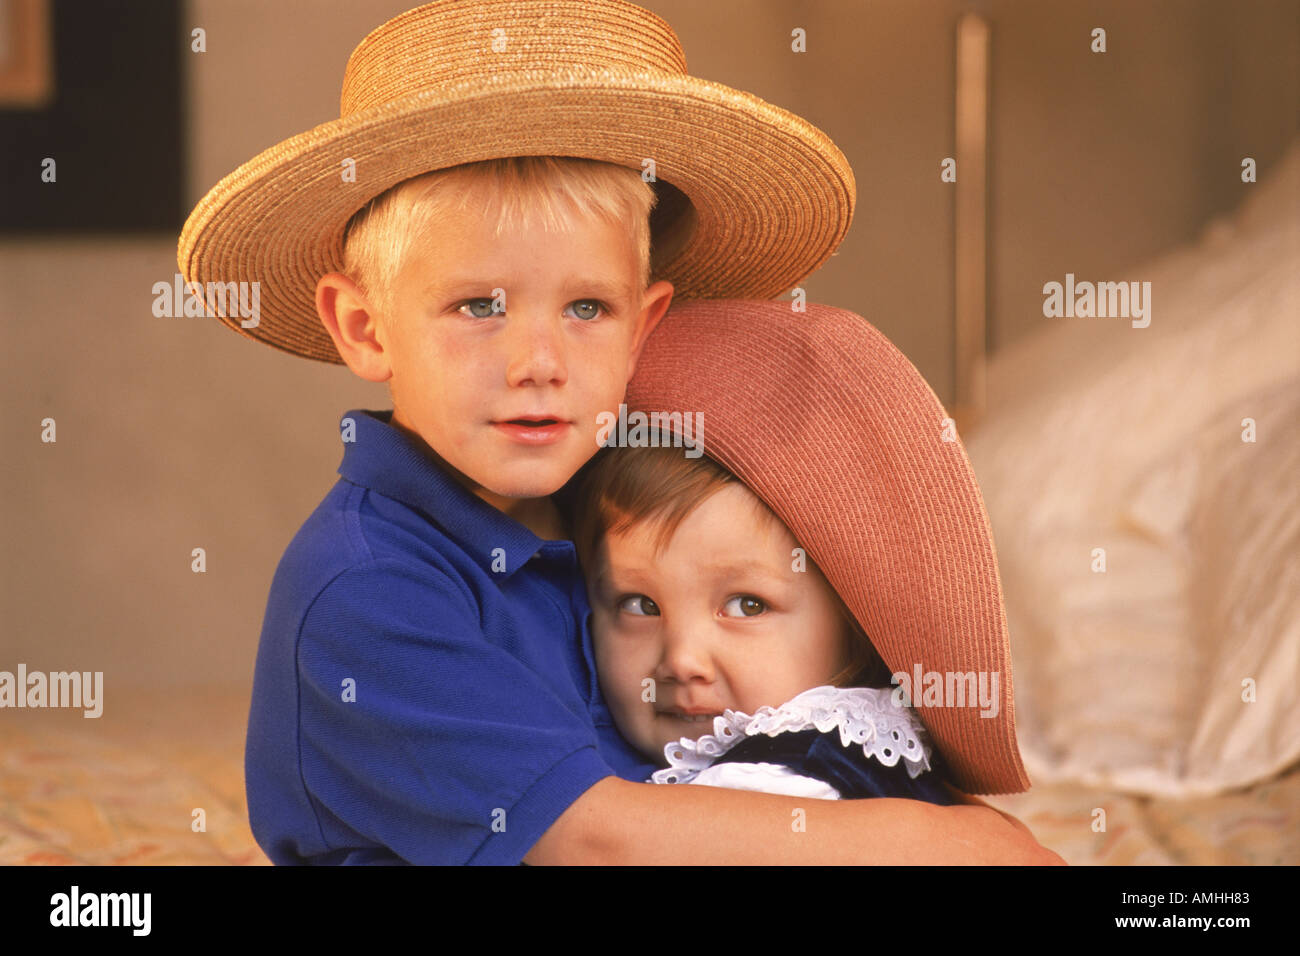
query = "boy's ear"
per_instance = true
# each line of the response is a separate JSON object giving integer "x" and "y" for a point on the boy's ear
{"x": 654, "y": 304}
{"x": 354, "y": 325}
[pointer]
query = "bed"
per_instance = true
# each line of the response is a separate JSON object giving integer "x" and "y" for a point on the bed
{"x": 1164, "y": 689}
{"x": 1131, "y": 706}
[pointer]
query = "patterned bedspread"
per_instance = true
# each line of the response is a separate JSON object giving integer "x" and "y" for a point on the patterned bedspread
{"x": 125, "y": 788}
{"x": 1255, "y": 825}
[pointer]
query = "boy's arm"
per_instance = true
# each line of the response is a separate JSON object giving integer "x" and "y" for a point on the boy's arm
{"x": 415, "y": 734}
{"x": 970, "y": 798}
{"x": 619, "y": 822}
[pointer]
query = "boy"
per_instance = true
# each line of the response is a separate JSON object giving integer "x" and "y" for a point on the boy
{"x": 424, "y": 688}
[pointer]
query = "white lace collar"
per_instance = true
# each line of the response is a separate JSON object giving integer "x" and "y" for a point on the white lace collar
{"x": 863, "y": 715}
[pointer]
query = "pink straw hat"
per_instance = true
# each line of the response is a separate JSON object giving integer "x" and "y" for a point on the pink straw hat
{"x": 837, "y": 432}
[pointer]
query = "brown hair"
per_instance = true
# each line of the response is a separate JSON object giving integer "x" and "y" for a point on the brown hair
{"x": 622, "y": 487}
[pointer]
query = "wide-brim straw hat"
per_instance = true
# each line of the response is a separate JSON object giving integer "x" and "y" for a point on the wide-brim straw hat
{"x": 752, "y": 199}
{"x": 839, "y": 434}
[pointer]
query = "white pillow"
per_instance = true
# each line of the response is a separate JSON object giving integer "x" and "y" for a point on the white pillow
{"x": 1100, "y": 435}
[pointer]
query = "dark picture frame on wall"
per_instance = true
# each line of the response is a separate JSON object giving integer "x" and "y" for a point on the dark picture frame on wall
{"x": 90, "y": 117}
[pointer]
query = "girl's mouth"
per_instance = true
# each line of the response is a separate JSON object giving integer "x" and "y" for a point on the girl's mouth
{"x": 690, "y": 718}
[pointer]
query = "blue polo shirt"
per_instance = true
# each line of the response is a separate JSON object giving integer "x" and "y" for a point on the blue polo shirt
{"x": 425, "y": 690}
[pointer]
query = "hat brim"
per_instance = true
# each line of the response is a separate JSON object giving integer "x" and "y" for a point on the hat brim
{"x": 836, "y": 431}
{"x": 770, "y": 195}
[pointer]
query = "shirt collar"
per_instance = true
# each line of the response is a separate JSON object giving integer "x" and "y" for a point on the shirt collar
{"x": 384, "y": 459}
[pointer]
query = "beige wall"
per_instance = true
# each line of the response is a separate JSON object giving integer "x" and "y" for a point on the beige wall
{"x": 1097, "y": 162}
{"x": 175, "y": 434}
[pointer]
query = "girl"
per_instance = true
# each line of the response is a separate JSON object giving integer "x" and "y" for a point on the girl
{"x": 694, "y": 597}
{"x": 720, "y": 643}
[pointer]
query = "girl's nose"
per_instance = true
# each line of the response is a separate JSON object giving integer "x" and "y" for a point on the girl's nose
{"x": 686, "y": 655}
{"x": 535, "y": 349}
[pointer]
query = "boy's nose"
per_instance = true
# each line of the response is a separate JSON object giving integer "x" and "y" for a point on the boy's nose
{"x": 535, "y": 350}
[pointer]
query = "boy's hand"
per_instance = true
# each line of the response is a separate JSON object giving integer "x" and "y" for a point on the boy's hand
{"x": 619, "y": 822}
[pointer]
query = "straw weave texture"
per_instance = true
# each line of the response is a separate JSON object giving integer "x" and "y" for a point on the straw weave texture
{"x": 770, "y": 196}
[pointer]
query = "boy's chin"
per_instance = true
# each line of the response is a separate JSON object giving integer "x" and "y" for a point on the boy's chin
{"x": 523, "y": 487}
{"x": 534, "y": 476}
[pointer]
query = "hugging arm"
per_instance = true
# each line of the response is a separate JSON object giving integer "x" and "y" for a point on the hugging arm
{"x": 447, "y": 735}
{"x": 975, "y": 801}
{"x": 619, "y": 822}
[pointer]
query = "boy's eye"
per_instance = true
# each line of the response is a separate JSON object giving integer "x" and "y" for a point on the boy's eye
{"x": 588, "y": 308}
{"x": 582, "y": 308}
{"x": 478, "y": 308}
{"x": 639, "y": 604}
{"x": 745, "y": 605}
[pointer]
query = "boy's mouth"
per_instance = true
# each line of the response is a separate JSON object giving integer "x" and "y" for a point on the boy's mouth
{"x": 539, "y": 430}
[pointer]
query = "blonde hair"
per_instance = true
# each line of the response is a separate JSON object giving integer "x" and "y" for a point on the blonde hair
{"x": 525, "y": 192}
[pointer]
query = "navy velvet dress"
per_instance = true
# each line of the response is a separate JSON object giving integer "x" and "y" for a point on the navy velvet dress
{"x": 854, "y": 774}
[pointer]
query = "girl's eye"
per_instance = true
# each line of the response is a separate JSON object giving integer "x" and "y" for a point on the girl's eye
{"x": 588, "y": 308}
{"x": 478, "y": 308}
{"x": 639, "y": 604}
{"x": 746, "y": 605}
